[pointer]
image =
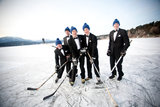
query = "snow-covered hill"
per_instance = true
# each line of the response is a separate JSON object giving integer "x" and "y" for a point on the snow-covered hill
{"x": 29, "y": 66}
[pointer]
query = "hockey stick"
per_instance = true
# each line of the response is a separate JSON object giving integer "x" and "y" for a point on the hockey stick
{"x": 116, "y": 105}
{"x": 105, "y": 87}
{"x": 29, "y": 88}
{"x": 93, "y": 63}
{"x": 57, "y": 87}
{"x": 118, "y": 61}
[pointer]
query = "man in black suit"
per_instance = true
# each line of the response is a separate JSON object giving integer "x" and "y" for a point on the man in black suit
{"x": 75, "y": 45}
{"x": 68, "y": 55}
{"x": 66, "y": 38}
{"x": 90, "y": 42}
{"x": 118, "y": 44}
{"x": 60, "y": 56}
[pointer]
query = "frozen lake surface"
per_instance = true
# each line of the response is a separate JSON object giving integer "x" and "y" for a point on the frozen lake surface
{"x": 29, "y": 66}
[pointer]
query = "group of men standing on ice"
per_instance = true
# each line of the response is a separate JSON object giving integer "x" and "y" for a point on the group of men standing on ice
{"x": 77, "y": 47}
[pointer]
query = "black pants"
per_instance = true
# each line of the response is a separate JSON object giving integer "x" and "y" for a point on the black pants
{"x": 74, "y": 71}
{"x": 68, "y": 67}
{"x": 113, "y": 60}
{"x": 81, "y": 60}
{"x": 60, "y": 72}
{"x": 89, "y": 67}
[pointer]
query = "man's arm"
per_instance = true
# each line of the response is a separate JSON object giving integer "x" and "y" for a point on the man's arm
{"x": 56, "y": 58}
{"x": 64, "y": 39}
{"x": 94, "y": 45}
{"x": 126, "y": 41}
{"x": 71, "y": 48}
{"x": 109, "y": 46}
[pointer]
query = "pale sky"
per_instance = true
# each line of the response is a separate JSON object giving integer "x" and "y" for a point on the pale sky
{"x": 34, "y": 19}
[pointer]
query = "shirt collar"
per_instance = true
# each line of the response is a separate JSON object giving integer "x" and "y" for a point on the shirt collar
{"x": 75, "y": 37}
{"x": 116, "y": 29}
{"x": 88, "y": 35}
{"x": 67, "y": 36}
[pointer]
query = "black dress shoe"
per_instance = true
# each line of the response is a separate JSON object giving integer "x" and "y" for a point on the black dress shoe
{"x": 119, "y": 78}
{"x": 70, "y": 80}
{"x": 72, "y": 83}
{"x": 122, "y": 74}
{"x": 112, "y": 76}
{"x": 56, "y": 80}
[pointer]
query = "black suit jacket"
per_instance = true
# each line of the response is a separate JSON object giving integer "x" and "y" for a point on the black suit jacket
{"x": 121, "y": 42}
{"x": 60, "y": 56}
{"x": 66, "y": 45}
{"x": 92, "y": 45}
{"x": 65, "y": 40}
{"x": 73, "y": 47}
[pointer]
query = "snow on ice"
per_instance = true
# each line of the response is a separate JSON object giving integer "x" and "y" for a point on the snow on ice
{"x": 29, "y": 66}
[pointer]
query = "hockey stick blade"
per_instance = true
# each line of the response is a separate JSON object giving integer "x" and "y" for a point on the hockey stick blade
{"x": 48, "y": 96}
{"x": 31, "y": 88}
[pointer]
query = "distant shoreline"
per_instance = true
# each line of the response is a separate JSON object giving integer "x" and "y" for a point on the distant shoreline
{"x": 54, "y": 42}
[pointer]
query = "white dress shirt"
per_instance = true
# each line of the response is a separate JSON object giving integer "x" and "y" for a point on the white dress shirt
{"x": 115, "y": 34}
{"x": 68, "y": 38}
{"x": 87, "y": 37}
{"x": 77, "y": 43}
{"x": 62, "y": 51}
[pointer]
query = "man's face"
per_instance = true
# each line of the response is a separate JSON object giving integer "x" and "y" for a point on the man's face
{"x": 59, "y": 46}
{"x": 116, "y": 26}
{"x": 86, "y": 31}
{"x": 74, "y": 33}
{"x": 67, "y": 33}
